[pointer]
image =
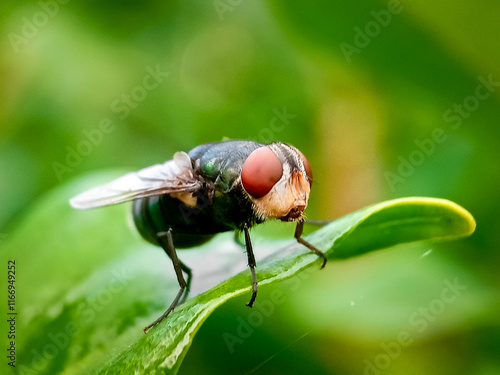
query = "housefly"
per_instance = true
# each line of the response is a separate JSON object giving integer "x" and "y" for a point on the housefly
{"x": 215, "y": 187}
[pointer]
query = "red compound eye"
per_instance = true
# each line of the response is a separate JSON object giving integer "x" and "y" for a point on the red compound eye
{"x": 307, "y": 167}
{"x": 261, "y": 171}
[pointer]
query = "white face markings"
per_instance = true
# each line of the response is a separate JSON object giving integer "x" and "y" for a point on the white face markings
{"x": 293, "y": 160}
{"x": 287, "y": 199}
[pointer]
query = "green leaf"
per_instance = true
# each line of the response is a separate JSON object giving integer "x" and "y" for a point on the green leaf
{"x": 375, "y": 227}
{"x": 88, "y": 284}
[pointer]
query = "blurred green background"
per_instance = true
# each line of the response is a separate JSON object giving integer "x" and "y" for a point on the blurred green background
{"x": 386, "y": 99}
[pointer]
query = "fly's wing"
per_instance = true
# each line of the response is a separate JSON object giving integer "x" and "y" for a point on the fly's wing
{"x": 174, "y": 176}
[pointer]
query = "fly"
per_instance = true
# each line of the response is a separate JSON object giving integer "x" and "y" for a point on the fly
{"x": 215, "y": 187}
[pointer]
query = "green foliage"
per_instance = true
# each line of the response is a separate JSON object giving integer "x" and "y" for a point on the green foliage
{"x": 98, "y": 286}
{"x": 399, "y": 116}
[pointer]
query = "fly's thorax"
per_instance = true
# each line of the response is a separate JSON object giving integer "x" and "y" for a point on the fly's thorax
{"x": 221, "y": 162}
{"x": 277, "y": 179}
{"x": 187, "y": 198}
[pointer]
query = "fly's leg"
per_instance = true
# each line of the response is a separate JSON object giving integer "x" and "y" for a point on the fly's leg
{"x": 298, "y": 234}
{"x": 251, "y": 264}
{"x": 166, "y": 241}
{"x": 189, "y": 274}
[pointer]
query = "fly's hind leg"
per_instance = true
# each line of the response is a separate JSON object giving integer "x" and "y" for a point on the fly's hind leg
{"x": 251, "y": 264}
{"x": 189, "y": 274}
{"x": 298, "y": 234}
{"x": 167, "y": 243}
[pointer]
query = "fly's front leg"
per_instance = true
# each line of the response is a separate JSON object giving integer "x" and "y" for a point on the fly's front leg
{"x": 166, "y": 241}
{"x": 298, "y": 234}
{"x": 251, "y": 264}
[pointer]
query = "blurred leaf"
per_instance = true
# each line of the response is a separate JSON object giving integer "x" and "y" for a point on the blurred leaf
{"x": 357, "y": 113}
{"x": 387, "y": 223}
{"x": 97, "y": 285}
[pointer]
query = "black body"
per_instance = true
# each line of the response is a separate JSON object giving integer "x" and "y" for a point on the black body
{"x": 221, "y": 203}
{"x": 186, "y": 201}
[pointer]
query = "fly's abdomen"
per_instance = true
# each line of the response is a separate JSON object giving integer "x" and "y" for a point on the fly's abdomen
{"x": 147, "y": 220}
{"x": 156, "y": 214}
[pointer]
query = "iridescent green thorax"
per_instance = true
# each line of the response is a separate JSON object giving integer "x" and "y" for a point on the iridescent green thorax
{"x": 221, "y": 162}
{"x": 220, "y": 206}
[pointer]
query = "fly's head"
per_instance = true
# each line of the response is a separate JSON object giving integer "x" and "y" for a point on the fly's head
{"x": 277, "y": 179}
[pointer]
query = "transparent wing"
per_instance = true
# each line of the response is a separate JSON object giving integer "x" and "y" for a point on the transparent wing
{"x": 173, "y": 176}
